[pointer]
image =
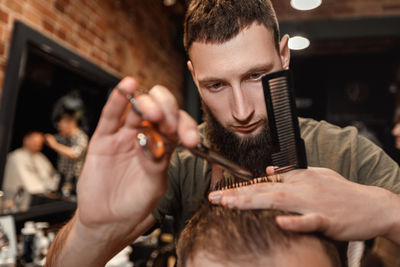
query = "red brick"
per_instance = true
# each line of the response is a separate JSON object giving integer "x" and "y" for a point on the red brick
{"x": 83, "y": 24}
{"x": 32, "y": 16}
{"x": 96, "y": 32}
{"x": 48, "y": 26}
{"x": 72, "y": 41}
{"x": 100, "y": 25}
{"x": 2, "y": 48}
{"x": 86, "y": 37}
{"x": 92, "y": 8}
{"x": 66, "y": 26}
{"x": 61, "y": 34}
{"x": 44, "y": 10}
{"x": 98, "y": 56}
{"x": 46, "y": 2}
{"x": 14, "y": 6}
{"x": 3, "y": 16}
{"x": 61, "y": 5}
{"x": 71, "y": 14}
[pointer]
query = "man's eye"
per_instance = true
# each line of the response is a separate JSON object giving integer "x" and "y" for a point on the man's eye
{"x": 214, "y": 86}
{"x": 256, "y": 76}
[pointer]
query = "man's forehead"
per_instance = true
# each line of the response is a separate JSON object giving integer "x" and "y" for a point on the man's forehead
{"x": 248, "y": 51}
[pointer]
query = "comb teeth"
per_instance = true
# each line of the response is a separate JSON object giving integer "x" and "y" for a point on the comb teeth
{"x": 281, "y": 105}
{"x": 230, "y": 183}
{"x": 289, "y": 152}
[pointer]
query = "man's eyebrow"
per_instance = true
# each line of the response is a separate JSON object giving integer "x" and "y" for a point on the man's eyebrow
{"x": 261, "y": 68}
{"x": 258, "y": 68}
{"x": 209, "y": 80}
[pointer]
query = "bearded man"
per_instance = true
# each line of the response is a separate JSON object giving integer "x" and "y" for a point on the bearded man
{"x": 231, "y": 46}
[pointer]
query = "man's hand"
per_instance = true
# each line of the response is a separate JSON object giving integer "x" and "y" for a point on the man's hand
{"x": 120, "y": 186}
{"x": 326, "y": 202}
{"x": 119, "y": 183}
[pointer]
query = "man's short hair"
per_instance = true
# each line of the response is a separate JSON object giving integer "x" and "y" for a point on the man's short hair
{"x": 218, "y": 21}
{"x": 240, "y": 236}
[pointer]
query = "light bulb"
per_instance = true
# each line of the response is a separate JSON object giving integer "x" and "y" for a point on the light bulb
{"x": 298, "y": 43}
{"x": 305, "y": 4}
{"x": 169, "y": 2}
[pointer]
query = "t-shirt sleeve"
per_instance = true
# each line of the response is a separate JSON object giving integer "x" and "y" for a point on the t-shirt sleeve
{"x": 353, "y": 156}
{"x": 376, "y": 167}
{"x": 169, "y": 203}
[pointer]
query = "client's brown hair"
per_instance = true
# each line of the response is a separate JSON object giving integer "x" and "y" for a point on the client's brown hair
{"x": 239, "y": 236}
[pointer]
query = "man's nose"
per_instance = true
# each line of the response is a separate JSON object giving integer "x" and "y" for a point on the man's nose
{"x": 242, "y": 106}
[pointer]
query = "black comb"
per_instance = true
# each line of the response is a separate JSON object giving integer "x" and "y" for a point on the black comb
{"x": 288, "y": 150}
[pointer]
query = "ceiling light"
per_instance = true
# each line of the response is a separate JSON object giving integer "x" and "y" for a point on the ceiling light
{"x": 169, "y": 2}
{"x": 298, "y": 43}
{"x": 305, "y": 4}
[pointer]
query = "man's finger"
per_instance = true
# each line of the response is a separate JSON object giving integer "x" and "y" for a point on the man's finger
{"x": 115, "y": 107}
{"x": 216, "y": 196}
{"x": 187, "y": 130}
{"x": 167, "y": 103}
{"x": 149, "y": 109}
{"x": 304, "y": 223}
{"x": 270, "y": 170}
{"x": 272, "y": 200}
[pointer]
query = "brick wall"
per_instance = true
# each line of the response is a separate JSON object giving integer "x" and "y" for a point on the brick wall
{"x": 135, "y": 42}
{"x": 339, "y": 9}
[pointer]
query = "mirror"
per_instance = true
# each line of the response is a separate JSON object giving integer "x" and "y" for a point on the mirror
{"x": 39, "y": 72}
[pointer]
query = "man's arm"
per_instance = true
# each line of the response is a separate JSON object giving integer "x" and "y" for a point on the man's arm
{"x": 74, "y": 238}
{"x": 59, "y": 148}
{"x": 326, "y": 202}
{"x": 119, "y": 185}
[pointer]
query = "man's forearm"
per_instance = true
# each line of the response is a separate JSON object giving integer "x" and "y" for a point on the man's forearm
{"x": 70, "y": 248}
{"x": 64, "y": 150}
{"x": 77, "y": 246}
{"x": 393, "y": 232}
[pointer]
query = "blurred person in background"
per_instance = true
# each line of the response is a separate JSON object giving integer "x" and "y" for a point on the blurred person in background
{"x": 70, "y": 142}
{"x": 28, "y": 172}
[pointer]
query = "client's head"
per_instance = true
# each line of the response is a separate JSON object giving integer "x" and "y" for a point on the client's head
{"x": 217, "y": 237}
{"x": 33, "y": 141}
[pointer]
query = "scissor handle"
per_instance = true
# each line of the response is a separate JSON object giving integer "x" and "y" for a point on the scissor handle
{"x": 151, "y": 141}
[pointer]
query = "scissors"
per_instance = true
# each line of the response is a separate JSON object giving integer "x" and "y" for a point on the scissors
{"x": 153, "y": 145}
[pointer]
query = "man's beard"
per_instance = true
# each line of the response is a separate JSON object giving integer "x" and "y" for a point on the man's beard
{"x": 252, "y": 153}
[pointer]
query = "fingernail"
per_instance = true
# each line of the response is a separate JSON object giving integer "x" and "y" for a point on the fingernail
{"x": 228, "y": 201}
{"x": 215, "y": 197}
{"x": 284, "y": 221}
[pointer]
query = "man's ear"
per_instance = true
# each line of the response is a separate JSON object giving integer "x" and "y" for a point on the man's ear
{"x": 190, "y": 67}
{"x": 284, "y": 51}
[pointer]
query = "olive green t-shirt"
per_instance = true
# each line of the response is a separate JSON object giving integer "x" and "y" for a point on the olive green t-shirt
{"x": 340, "y": 149}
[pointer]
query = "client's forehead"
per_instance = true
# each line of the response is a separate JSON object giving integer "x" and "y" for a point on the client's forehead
{"x": 307, "y": 252}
